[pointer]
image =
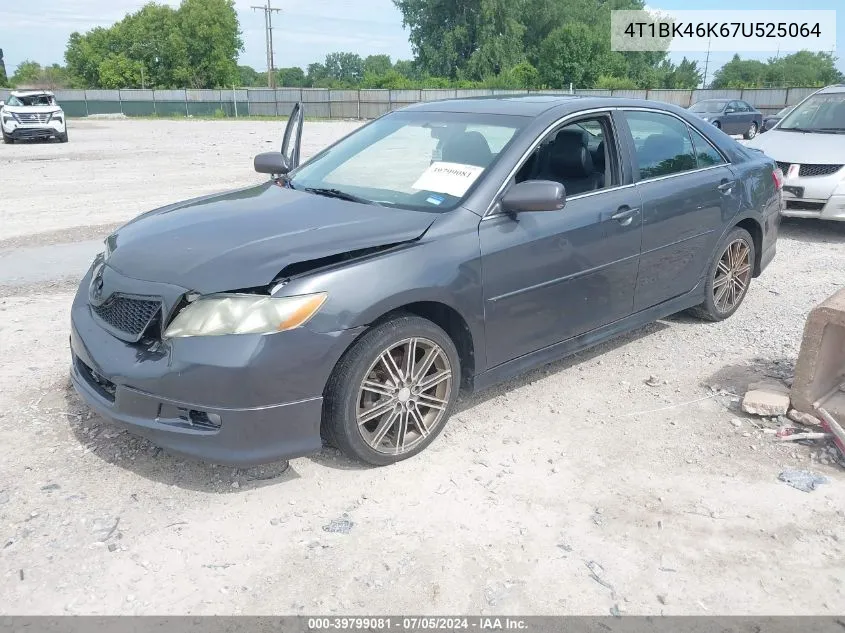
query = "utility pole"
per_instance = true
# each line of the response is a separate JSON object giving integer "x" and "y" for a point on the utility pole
{"x": 706, "y": 65}
{"x": 268, "y": 38}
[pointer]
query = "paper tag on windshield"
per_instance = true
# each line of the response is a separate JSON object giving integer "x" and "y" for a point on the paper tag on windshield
{"x": 451, "y": 178}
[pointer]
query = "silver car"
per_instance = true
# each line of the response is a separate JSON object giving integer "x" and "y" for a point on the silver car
{"x": 809, "y": 147}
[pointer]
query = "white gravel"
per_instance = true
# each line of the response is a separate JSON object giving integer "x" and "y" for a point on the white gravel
{"x": 578, "y": 468}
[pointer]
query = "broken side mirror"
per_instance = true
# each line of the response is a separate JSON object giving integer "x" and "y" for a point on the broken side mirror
{"x": 272, "y": 163}
{"x": 534, "y": 195}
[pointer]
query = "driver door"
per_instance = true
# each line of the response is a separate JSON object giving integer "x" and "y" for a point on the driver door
{"x": 292, "y": 139}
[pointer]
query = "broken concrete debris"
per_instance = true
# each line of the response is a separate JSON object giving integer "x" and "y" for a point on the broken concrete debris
{"x": 832, "y": 426}
{"x": 803, "y": 480}
{"x": 803, "y": 418}
{"x": 766, "y": 398}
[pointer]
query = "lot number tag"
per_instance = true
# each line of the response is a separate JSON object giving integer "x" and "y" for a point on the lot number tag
{"x": 451, "y": 178}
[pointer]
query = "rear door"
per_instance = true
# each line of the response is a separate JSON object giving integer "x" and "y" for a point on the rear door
{"x": 687, "y": 193}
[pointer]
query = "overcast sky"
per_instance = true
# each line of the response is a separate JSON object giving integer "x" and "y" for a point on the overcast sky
{"x": 306, "y": 30}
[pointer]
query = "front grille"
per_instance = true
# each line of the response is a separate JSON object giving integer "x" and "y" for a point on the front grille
{"x": 804, "y": 205}
{"x": 32, "y": 117}
{"x": 29, "y": 133}
{"x": 129, "y": 315}
{"x": 818, "y": 170}
{"x": 784, "y": 167}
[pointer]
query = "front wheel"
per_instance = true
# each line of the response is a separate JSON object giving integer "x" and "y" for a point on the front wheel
{"x": 8, "y": 140}
{"x": 729, "y": 276}
{"x": 751, "y": 132}
{"x": 718, "y": 125}
{"x": 62, "y": 137}
{"x": 390, "y": 395}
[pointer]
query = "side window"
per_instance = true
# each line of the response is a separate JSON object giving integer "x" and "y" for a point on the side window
{"x": 734, "y": 105}
{"x": 706, "y": 155}
{"x": 581, "y": 156}
{"x": 662, "y": 143}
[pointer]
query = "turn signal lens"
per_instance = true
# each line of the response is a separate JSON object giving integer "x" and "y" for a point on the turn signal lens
{"x": 777, "y": 176}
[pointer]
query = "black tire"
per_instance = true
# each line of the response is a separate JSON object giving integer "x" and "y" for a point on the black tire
{"x": 62, "y": 137}
{"x": 718, "y": 125}
{"x": 751, "y": 132}
{"x": 343, "y": 391}
{"x": 8, "y": 140}
{"x": 710, "y": 310}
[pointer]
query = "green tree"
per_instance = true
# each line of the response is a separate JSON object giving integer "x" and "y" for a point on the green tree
{"x": 293, "y": 77}
{"x": 315, "y": 73}
{"x": 377, "y": 65}
{"x": 27, "y": 73}
{"x": 248, "y": 77}
{"x": 684, "y": 75}
{"x": 574, "y": 54}
{"x": 803, "y": 69}
{"x": 740, "y": 73}
{"x": 344, "y": 67}
{"x": 195, "y": 45}
{"x": 609, "y": 82}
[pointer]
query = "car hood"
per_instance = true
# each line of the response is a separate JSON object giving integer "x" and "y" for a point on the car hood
{"x": 798, "y": 147}
{"x": 243, "y": 239}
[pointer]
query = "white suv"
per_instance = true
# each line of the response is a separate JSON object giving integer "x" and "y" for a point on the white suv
{"x": 32, "y": 114}
{"x": 809, "y": 147}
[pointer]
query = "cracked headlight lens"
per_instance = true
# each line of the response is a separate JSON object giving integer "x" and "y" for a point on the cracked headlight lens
{"x": 216, "y": 315}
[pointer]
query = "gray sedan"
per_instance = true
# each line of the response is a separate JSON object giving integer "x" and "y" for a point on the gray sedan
{"x": 732, "y": 116}
{"x": 445, "y": 247}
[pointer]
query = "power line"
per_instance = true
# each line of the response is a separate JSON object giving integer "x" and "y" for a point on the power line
{"x": 268, "y": 39}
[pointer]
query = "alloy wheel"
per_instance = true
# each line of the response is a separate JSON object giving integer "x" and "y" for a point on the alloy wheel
{"x": 404, "y": 395}
{"x": 732, "y": 276}
{"x": 752, "y": 131}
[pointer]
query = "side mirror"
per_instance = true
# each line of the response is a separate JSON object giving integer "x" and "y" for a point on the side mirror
{"x": 534, "y": 195}
{"x": 271, "y": 163}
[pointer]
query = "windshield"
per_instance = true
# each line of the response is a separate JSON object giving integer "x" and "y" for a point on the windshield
{"x": 31, "y": 100}
{"x": 784, "y": 112}
{"x": 709, "y": 106}
{"x": 418, "y": 160}
{"x": 819, "y": 113}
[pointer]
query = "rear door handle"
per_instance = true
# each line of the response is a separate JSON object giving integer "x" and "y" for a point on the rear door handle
{"x": 726, "y": 186}
{"x": 625, "y": 215}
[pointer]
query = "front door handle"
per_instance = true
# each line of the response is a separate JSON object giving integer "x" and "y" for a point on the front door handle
{"x": 625, "y": 215}
{"x": 726, "y": 186}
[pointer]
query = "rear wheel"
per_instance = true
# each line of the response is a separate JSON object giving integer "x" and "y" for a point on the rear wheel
{"x": 717, "y": 124}
{"x": 751, "y": 132}
{"x": 390, "y": 395}
{"x": 729, "y": 276}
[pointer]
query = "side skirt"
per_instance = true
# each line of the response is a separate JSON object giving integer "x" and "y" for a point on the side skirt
{"x": 546, "y": 355}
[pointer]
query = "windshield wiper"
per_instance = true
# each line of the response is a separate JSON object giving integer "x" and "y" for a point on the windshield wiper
{"x": 337, "y": 193}
{"x": 831, "y": 130}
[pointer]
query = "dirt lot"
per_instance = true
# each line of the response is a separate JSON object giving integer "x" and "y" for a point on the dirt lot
{"x": 577, "y": 489}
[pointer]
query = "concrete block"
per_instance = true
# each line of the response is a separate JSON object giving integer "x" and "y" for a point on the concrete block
{"x": 768, "y": 402}
{"x": 821, "y": 362}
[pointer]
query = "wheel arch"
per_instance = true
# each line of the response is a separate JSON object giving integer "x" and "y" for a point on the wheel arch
{"x": 756, "y": 230}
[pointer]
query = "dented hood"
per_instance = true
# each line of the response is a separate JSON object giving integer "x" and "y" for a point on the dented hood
{"x": 244, "y": 238}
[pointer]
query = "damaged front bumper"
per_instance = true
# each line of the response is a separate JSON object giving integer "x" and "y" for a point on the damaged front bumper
{"x": 236, "y": 399}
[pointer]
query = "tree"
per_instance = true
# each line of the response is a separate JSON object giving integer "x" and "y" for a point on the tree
{"x": 609, "y": 82}
{"x": 316, "y": 73}
{"x": 377, "y": 65}
{"x": 525, "y": 76}
{"x": 684, "y": 75}
{"x": 740, "y": 73}
{"x": 27, "y": 73}
{"x": 291, "y": 77}
{"x": 248, "y": 77}
{"x": 344, "y": 67}
{"x": 195, "y": 45}
{"x": 803, "y": 69}
{"x": 574, "y": 54}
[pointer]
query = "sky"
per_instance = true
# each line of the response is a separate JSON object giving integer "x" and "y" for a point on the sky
{"x": 305, "y": 30}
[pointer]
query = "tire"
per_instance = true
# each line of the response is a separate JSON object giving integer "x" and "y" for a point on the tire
{"x": 8, "y": 140}
{"x": 751, "y": 132}
{"x": 718, "y": 125}
{"x": 717, "y": 306}
{"x": 346, "y": 398}
{"x": 62, "y": 137}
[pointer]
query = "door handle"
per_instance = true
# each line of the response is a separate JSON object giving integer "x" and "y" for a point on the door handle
{"x": 625, "y": 215}
{"x": 726, "y": 186}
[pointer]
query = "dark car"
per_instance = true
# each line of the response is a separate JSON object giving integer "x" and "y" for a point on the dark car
{"x": 731, "y": 115}
{"x": 447, "y": 246}
{"x": 770, "y": 121}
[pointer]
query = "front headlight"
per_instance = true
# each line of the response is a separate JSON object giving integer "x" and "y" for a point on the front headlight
{"x": 216, "y": 315}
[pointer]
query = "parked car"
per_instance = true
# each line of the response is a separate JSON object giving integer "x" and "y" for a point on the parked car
{"x": 30, "y": 115}
{"x": 733, "y": 116}
{"x": 449, "y": 245}
{"x": 809, "y": 146}
{"x": 772, "y": 119}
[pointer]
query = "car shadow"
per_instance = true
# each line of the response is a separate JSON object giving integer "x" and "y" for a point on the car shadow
{"x": 815, "y": 231}
{"x": 125, "y": 450}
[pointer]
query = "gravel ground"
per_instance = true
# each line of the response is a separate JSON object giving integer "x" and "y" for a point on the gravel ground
{"x": 576, "y": 489}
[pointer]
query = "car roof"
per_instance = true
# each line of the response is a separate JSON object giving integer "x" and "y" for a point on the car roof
{"x": 532, "y": 105}
{"x": 832, "y": 89}
{"x": 31, "y": 93}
